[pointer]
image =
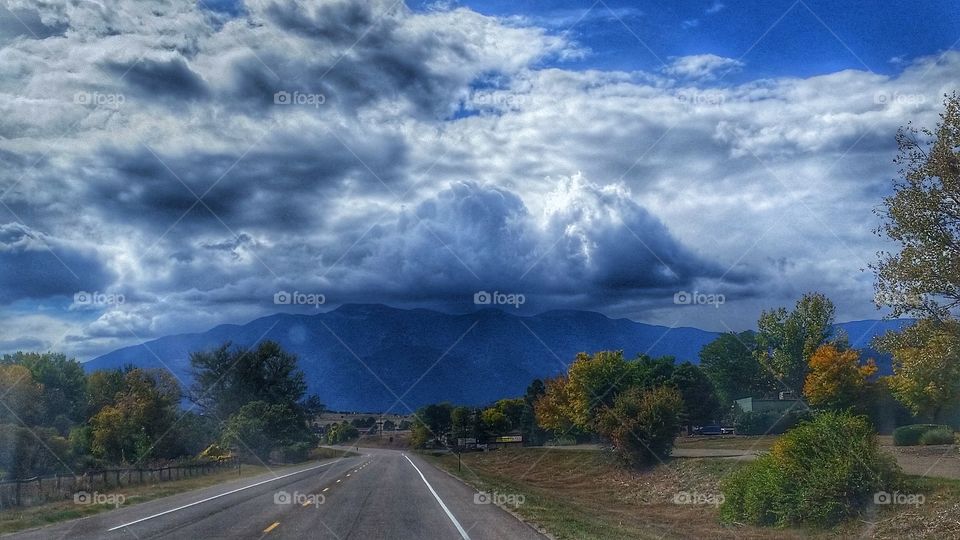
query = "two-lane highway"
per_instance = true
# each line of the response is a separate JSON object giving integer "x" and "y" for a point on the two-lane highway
{"x": 381, "y": 494}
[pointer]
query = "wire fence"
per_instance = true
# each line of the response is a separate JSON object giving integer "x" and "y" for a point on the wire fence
{"x": 23, "y": 492}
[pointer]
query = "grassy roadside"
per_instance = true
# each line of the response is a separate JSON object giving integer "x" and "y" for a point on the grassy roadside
{"x": 728, "y": 442}
{"x": 17, "y": 519}
{"x": 583, "y": 494}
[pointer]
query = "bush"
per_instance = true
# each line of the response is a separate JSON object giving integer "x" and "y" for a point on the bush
{"x": 768, "y": 423}
{"x": 291, "y": 453}
{"x": 642, "y": 424}
{"x": 913, "y": 434}
{"x": 819, "y": 473}
{"x": 937, "y": 436}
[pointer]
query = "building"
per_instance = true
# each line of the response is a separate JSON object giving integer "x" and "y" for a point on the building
{"x": 778, "y": 406}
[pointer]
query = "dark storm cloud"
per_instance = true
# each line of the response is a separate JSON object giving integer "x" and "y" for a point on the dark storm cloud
{"x": 284, "y": 181}
{"x": 159, "y": 79}
{"x": 34, "y": 265}
{"x": 470, "y": 237}
{"x": 356, "y": 54}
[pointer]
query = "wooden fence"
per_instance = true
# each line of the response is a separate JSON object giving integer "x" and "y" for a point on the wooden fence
{"x": 79, "y": 487}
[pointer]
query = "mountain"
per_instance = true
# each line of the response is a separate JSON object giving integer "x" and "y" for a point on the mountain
{"x": 378, "y": 358}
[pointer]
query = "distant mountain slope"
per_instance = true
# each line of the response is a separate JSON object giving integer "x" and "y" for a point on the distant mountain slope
{"x": 378, "y": 358}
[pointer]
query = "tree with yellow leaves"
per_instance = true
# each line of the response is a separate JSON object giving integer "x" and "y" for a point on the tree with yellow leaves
{"x": 926, "y": 365}
{"x": 552, "y": 409}
{"x": 836, "y": 378}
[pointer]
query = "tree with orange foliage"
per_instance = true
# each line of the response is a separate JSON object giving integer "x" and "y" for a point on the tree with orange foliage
{"x": 836, "y": 379}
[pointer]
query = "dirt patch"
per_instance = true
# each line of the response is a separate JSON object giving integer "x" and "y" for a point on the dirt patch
{"x": 938, "y": 460}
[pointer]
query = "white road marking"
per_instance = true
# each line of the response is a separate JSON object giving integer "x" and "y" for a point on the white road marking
{"x": 456, "y": 523}
{"x": 215, "y": 497}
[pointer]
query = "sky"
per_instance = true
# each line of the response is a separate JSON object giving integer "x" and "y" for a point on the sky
{"x": 167, "y": 166}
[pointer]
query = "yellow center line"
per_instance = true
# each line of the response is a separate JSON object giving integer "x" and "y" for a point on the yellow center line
{"x": 272, "y": 527}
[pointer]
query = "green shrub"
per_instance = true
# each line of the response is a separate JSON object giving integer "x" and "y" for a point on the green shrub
{"x": 750, "y": 494}
{"x": 913, "y": 434}
{"x": 768, "y": 423}
{"x": 819, "y": 473}
{"x": 291, "y": 453}
{"x": 937, "y": 436}
{"x": 642, "y": 424}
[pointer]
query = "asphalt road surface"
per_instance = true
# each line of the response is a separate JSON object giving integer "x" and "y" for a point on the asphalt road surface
{"x": 380, "y": 494}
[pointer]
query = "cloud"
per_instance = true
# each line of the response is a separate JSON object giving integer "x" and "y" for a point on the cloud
{"x": 35, "y": 265}
{"x": 701, "y": 66}
{"x": 716, "y": 7}
{"x": 588, "y": 240}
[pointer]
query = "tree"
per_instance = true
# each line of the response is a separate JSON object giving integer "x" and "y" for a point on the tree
{"x": 649, "y": 372}
{"x": 837, "y": 380}
{"x": 21, "y": 396}
{"x": 62, "y": 382}
{"x": 259, "y": 427}
{"x": 923, "y": 216}
{"x": 461, "y": 420}
{"x": 532, "y": 434}
{"x": 786, "y": 340}
{"x": 553, "y": 407}
{"x": 534, "y": 391}
{"x": 926, "y": 365}
{"x": 367, "y": 422}
{"x": 699, "y": 399}
{"x": 593, "y": 383}
{"x": 433, "y": 422}
{"x": 138, "y": 424}
{"x": 312, "y": 406}
{"x": 103, "y": 386}
{"x": 495, "y": 421}
{"x": 342, "y": 432}
{"x": 642, "y": 424}
{"x": 512, "y": 409}
{"x": 730, "y": 362}
{"x": 26, "y": 452}
{"x": 228, "y": 378}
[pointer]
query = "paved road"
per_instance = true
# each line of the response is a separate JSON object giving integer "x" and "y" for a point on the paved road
{"x": 381, "y": 494}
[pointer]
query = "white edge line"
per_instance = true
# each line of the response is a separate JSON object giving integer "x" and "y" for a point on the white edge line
{"x": 216, "y": 497}
{"x": 456, "y": 523}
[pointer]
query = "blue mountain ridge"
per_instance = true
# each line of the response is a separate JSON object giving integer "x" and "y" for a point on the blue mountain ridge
{"x": 371, "y": 357}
